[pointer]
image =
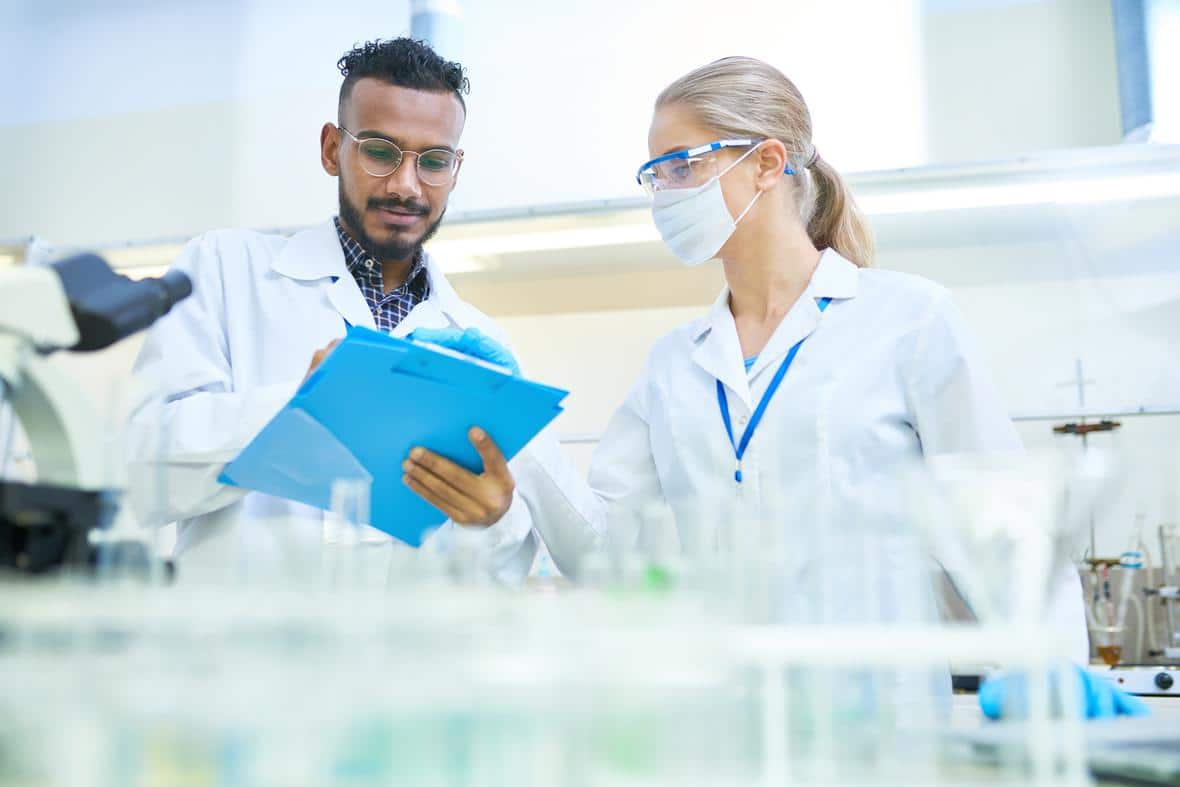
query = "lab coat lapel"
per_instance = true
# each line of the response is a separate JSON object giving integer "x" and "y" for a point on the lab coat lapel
{"x": 315, "y": 255}
{"x": 799, "y": 323}
{"x": 718, "y": 351}
{"x": 346, "y": 297}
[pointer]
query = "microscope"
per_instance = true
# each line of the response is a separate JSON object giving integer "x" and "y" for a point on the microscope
{"x": 77, "y": 304}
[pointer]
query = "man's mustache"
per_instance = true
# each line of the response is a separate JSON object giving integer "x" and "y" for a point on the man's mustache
{"x": 407, "y": 206}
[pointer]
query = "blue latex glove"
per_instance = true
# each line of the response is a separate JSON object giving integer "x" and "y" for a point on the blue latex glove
{"x": 471, "y": 341}
{"x": 1097, "y": 698}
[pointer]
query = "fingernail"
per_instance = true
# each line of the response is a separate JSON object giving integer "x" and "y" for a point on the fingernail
{"x": 407, "y": 466}
{"x": 406, "y": 480}
{"x": 416, "y": 454}
{"x": 478, "y": 435}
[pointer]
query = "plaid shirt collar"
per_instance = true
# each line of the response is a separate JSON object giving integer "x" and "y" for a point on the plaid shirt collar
{"x": 388, "y": 308}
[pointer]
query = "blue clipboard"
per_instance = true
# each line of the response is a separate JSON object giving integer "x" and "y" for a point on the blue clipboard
{"x": 373, "y": 399}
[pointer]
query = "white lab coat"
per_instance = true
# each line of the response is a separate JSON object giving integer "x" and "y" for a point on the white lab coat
{"x": 888, "y": 374}
{"x": 214, "y": 371}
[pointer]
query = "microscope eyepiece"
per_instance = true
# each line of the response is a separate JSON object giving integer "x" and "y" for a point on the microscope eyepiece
{"x": 177, "y": 287}
{"x": 108, "y": 307}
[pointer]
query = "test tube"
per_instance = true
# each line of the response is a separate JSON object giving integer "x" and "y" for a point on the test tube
{"x": 659, "y": 546}
{"x": 350, "y": 500}
{"x": 1169, "y": 540}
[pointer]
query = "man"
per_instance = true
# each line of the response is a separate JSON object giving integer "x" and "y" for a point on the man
{"x": 267, "y": 309}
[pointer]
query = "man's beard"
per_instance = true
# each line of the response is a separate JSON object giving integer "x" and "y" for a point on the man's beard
{"x": 392, "y": 250}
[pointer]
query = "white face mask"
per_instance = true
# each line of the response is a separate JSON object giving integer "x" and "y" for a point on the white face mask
{"x": 695, "y": 223}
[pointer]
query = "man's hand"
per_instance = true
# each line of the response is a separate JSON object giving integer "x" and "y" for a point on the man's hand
{"x": 320, "y": 355}
{"x": 465, "y": 497}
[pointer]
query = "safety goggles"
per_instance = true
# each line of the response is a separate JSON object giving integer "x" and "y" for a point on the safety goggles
{"x": 686, "y": 169}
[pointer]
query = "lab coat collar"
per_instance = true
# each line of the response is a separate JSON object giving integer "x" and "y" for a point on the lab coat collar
{"x": 834, "y": 277}
{"x": 718, "y": 350}
{"x": 315, "y": 253}
{"x": 310, "y": 254}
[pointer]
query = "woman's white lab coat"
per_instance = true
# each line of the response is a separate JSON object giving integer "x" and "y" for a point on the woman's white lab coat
{"x": 222, "y": 364}
{"x": 888, "y": 374}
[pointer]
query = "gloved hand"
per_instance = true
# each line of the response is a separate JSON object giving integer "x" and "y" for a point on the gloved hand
{"x": 471, "y": 341}
{"x": 1006, "y": 696}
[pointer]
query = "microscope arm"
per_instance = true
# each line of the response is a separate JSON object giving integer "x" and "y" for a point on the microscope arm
{"x": 64, "y": 435}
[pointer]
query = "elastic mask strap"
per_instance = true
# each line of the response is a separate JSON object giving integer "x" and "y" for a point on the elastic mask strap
{"x": 739, "y": 160}
{"x": 731, "y": 166}
{"x": 742, "y": 215}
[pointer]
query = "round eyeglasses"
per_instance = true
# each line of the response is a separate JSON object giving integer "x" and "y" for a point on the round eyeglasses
{"x": 381, "y": 158}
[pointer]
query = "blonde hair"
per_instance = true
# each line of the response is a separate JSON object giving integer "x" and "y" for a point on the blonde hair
{"x": 744, "y": 97}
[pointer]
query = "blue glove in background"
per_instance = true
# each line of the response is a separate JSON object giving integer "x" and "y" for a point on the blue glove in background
{"x": 1005, "y": 696}
{"x": 471, "y": 341}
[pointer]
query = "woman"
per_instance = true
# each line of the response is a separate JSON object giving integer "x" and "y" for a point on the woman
{"x": 806, "y": 389}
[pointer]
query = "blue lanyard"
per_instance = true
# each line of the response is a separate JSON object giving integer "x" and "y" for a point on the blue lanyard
{"x": 723, "y": 402}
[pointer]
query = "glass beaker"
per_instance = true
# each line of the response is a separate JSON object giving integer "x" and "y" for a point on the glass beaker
{"x": 1108, "y": 641}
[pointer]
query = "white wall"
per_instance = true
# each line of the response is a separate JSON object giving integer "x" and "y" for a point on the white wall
{"x": 137, "y": 120}
{"x": 1125, "y": 331}
{"x": 1014, "y": 76}
{"x": 577, "y": 86}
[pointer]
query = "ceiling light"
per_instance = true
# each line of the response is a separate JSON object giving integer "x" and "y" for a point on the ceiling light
{"x": 124, "y": 257}
{"x": 1058, "y": 192}
{"x": 450, "y": 263}
{"x": 579, "y": 238}
{"x": 143, "y": 271}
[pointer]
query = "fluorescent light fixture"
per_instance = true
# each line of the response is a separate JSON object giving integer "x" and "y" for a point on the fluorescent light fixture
{"x": 139, "y": 262}
{"x": 579, "y": 238}
{"x": 124, "y": 257}
{"x": 451, "y": 263}
{"x": 1060, "y": 192}
{"x": 143, "y": 271}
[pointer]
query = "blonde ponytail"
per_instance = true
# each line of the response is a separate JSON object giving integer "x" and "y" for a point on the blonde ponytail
{"x": 744, "y": 97}
{"x": 835, "y": 221}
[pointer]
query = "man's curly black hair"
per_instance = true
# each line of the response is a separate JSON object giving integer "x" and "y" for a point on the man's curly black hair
{"x": 403, "y": 62}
